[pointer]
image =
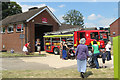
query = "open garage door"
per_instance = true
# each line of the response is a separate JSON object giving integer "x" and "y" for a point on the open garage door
{"x": 40, "y": 29}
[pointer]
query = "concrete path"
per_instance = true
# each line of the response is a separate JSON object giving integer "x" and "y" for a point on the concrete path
{"x": 19, "y": 64}
{"x": 51, "y": 61}
{"x": 56, "y": 62}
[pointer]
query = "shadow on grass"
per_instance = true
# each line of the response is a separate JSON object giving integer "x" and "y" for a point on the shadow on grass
{"x": 88, "y": 73}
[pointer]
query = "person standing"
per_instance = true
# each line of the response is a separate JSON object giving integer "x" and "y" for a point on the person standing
{"x": 96, "y": 53}
{"x": 108, "y": 49}
{"x": 103, "y": 58}
{"x": 64, "y": 51}
{"x": 25, "y": 48}
{"x": 81, "y": 56}
{"x": 61, "y": 47}
{"x": 38, "y": 46}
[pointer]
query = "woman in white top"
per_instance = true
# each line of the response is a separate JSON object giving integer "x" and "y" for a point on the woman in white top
{"x": 108, "y": 50}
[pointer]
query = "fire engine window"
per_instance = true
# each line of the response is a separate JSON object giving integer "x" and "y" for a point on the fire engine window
{"x": 82, "y": 35}
{"x": 19, "y": 27}
{"x": 56, "y": 41}
{"x": 93, "y": 35}
{"x": 103, "y": 35}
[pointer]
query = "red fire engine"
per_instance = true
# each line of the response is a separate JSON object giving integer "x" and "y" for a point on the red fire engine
{"x": 72, "y": 37}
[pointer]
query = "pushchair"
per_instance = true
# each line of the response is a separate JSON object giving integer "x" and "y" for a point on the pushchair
{"x": 91, "y": 61}
{"x": 71, "y": 54}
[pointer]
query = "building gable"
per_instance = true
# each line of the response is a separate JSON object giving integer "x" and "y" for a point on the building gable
{"x": 27, "y": 16}
{"x": 53, "y": 16}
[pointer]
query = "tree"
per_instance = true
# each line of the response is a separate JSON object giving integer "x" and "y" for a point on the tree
{"x": 10, "y": 8}
{"x": 73, "y": 17}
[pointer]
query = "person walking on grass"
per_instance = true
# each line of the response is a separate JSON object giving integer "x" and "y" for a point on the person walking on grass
{"x": 96, "y": 53}
{"x": 38, "y": 46}
{"x": 81, "y": 56}
{"x": 25, "y": 48}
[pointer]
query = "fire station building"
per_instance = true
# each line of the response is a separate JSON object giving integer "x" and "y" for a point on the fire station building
{"x": 115, "y": 28}
{"x": 18, "y": 29}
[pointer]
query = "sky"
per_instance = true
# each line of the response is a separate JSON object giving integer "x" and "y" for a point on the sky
{"x": 96, "y": 13}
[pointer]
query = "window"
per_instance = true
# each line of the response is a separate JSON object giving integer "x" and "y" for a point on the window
{"x": 10, "y": 29}
{"x": 82, "y": 35}
{"x": 19, "y": 27}
{"x": 2, "y": 29}
{"x": 94, "y": 35}
{"x": 103, "y": 35}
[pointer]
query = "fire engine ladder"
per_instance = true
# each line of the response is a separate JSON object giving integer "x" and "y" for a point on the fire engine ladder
{"x": 66, "y": 31}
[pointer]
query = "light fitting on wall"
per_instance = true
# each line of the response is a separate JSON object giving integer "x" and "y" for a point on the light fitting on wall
{"x": 3, "y": 46}
{"x": 113, "y": 33}
{"x": 32, "y": 20}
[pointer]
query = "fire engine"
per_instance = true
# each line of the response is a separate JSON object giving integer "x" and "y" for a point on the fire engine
{"x": 72, "y": 37}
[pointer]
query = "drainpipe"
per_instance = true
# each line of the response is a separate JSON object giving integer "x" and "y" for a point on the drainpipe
{"x": 22, "y": 40}
{"x": 23, "y": 35}
{"x": 26, "y": 33}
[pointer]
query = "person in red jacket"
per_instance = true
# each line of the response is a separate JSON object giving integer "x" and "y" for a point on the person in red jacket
{"x": 25, "y": 48}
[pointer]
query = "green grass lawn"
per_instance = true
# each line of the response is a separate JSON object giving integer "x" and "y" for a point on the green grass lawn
{"x": 59, "y": 73}
{"x": 5, "y": 54}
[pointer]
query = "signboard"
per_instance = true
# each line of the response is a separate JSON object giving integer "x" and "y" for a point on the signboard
{"x": 21, "y": 36}
{"x": 19, "y": 27}
{"x": 44, "y": 20}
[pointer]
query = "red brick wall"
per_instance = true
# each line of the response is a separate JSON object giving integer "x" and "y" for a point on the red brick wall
{"x": 38, "y": 19}
{"x": 115, "y": 27}
{"x": 12, "y": 40}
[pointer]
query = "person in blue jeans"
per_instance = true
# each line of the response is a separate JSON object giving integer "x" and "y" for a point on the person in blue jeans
{"x": 96, "y": 53}
{"x": 64, "y": 51}
{"x": 108, "y": 50}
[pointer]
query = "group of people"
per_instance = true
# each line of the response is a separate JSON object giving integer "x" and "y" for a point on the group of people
{"x": 27, "y": 47}
{"x": 104, "y": 53}
{"x": 82, "y": 55}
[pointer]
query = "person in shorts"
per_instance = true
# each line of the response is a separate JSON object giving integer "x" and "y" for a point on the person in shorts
{"x": 38, "y": 46}
{"x": 25, "y": 48}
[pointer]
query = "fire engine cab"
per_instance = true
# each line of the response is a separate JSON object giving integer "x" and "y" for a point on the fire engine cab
{"x": 72, "y": 37}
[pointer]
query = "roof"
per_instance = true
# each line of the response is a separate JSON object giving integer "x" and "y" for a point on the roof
{"x": 68, "y": 26}
{"x": 27, "y": 16}
{"x": 115, "y": 21}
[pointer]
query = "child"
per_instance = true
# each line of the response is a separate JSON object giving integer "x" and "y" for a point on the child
{"x": 25, "y": 48}
{"x": 103, "y": 58}
{"x": 38, "y": 44}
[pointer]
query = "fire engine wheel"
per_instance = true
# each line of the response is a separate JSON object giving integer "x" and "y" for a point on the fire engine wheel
{"x": 56, "y": 51}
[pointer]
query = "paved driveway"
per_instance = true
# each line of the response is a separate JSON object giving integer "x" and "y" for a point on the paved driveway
{"x": 42, "y": 63}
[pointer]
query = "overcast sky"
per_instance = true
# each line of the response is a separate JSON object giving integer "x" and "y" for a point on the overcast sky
{"x": 95, "y": 13}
